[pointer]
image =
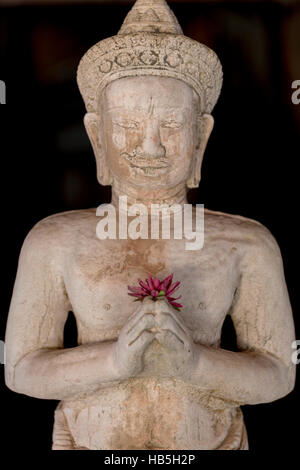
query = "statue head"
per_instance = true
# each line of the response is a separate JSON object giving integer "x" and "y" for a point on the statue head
{"x": 149, "y": 93}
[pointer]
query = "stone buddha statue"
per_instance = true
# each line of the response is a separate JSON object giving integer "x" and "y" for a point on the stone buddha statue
{"x": 145, "y": 375}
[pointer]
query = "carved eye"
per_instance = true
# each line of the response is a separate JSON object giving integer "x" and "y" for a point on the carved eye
{"x": 172, "y": 124}
{"x": 127, "y": 124}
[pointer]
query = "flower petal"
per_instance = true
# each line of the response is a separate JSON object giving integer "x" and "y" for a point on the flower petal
{"x": 176, "y": 305}
{"x": 150, "y": 283}
{"x": 171, "y": 299}
{"x": 137, "y": 295}
{"x": 167, "y": 281}
{"x": 136, "y": 290}
{"x": 144, "y": 286}
{"x": 173, "y": 287}
{"x": 154, "y": 293}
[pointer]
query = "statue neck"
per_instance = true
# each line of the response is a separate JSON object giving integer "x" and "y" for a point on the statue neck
{"x": 148, "y": 196}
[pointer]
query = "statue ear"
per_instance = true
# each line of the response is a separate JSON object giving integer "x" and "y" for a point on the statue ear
{"x": 94, "y": 130}
{"x": 205, "y": 128}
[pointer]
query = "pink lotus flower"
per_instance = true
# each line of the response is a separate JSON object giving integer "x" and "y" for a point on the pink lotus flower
{"x": 155, "y": 288}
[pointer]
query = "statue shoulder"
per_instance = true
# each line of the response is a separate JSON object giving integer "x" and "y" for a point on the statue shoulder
{"x": 246, "y": 232}
{"x": 58, "y": 231}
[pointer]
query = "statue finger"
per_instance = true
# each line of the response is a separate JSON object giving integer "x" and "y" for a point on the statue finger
{"x": 145, "y": 307}
{"x": 170, "y": 340}
{"x": 142, "y": 341}
{"x": 163, "y": 316}
{"x": 172, "y": 327}
{"x": 145, "y": 322}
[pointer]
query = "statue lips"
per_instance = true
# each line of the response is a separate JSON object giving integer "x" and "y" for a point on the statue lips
{"x": 146, "y": 163}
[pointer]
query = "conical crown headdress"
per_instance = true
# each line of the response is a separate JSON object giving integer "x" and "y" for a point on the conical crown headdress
{"x": 152, "y": 16}
{"x": 150, "y": 42}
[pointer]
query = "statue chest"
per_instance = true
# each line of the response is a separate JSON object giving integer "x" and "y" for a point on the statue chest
{"x": 98, "y": 273}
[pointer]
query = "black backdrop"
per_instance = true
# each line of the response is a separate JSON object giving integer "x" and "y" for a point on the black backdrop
{"x": 250, "y": 166}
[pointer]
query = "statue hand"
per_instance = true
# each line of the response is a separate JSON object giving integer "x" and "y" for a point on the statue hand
{"x": 134, "y": 339}
{"x": 175, "y": 336}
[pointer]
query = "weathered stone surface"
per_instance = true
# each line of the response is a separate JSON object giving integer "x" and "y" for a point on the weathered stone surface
{"x": 145, "y": 376}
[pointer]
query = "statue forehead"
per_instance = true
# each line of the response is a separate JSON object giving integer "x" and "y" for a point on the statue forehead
{"x": 162, "y": 91}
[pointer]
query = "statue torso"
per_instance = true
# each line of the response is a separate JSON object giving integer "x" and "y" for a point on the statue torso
{"x": 96, "y": 275}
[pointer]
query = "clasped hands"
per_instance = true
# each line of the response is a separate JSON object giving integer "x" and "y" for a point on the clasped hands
{"x": 153, "y": 320}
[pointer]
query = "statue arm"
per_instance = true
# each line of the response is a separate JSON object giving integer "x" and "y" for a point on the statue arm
{"x": 263, "y": 370}
{"x": 36, "y": 363}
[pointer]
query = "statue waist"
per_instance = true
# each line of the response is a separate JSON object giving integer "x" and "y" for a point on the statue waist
{"x": 151, "y": 413}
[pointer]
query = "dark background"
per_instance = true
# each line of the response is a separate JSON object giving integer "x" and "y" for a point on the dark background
{"x": 47, "y": 166}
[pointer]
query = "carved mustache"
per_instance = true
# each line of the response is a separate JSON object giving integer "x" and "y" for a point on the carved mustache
{"x": 144, "y": 160}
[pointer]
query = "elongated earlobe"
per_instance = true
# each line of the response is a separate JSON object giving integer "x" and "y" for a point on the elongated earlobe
{"x": 206, "y": 127}
{"x": 93, "y": 127}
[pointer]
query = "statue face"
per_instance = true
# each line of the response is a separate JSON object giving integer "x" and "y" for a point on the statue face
{"x": 149, "y": 130}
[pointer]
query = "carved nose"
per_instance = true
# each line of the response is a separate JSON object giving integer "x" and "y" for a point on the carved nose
{"x": 151, "y": 145}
